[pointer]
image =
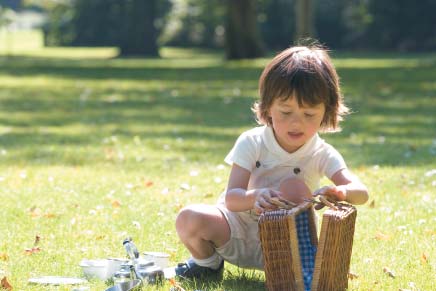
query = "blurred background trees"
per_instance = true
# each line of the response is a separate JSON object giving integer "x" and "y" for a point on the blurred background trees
{"x": 242, "y": 28}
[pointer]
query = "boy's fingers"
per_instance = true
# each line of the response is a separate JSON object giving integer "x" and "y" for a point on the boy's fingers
{"x": 319, "y": 206}
{"x": 275, "y": 193}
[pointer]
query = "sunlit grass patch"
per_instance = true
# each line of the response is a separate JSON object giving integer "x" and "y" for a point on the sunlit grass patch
{"x": 95, "y": 148}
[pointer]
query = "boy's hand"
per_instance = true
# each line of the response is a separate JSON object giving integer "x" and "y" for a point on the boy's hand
{"x": 263, "y": 198}
{"x": 335, "y": 193}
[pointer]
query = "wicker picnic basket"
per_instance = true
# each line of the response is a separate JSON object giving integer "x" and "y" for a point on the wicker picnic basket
{"x": 294, "y": 259}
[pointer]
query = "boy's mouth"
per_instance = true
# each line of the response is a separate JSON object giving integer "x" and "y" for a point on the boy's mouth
{"x": 295, "y": 134}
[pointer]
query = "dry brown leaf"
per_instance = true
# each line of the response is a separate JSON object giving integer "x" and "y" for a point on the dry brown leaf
{"x": 389, "y": 272}
{"x": 5, "y": 284}
{"x": 49, "y": 215}
{"x": 115, "y": 203}
{"x": 382, "y": 236}
{"x": 148, "y": 183}
{"x": 424, "y": 258}
{"x": 35, "y": 212}
{"x": 175, "y": 286}
{"x": 32, "y": 251}
{"x": 4, "y": 257}
{"x": 352, "y": 276}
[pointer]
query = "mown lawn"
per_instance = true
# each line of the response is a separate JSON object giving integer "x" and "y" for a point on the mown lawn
{"x": 94, "y": 148}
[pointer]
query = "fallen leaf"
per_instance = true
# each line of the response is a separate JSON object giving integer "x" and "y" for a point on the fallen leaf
{"x": 381, "y": 236}
{"x": 49, "y": 215}
{"x": 148, "y": 183}
{"x": 352, "y": 276}
{"x": 35, "y": 212}
{"x": 389, "y": 272}
{"x": 372, "y": 204}
{"x": 175, "y": 286}
{"x": 115, "y": 203}
{"x": 5, "y": 284}
{"x": 32, "y": 251}
{"x": 4, "y": 257}
{"x": 424, "y": 259}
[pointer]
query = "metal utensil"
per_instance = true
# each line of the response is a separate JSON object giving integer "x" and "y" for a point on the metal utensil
{"x": 126, "y": 286}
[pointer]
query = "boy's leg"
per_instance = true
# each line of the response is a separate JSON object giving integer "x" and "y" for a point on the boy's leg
{"x": 202, "y": 228}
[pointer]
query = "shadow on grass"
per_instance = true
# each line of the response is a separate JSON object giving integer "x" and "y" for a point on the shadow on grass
{"x": 241, "y": 279}
{"x": 202, "y": 100}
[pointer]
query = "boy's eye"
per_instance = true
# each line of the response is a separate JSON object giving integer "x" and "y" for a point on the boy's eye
{"x": 309, "y": 115}
{"x": 286, "y": 112}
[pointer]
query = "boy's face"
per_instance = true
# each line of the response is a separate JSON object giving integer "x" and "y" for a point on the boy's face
{"x": 294, "y": 125}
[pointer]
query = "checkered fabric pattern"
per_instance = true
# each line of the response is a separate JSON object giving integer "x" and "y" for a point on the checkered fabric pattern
{"x": 307, "y": 250}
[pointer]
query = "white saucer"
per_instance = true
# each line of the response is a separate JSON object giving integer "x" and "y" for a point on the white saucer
{"x": 56, "y": 280}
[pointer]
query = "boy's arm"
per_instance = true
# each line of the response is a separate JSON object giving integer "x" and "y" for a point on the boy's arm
{"x": 348, "y": 188}
{"x": 239, "y": 199}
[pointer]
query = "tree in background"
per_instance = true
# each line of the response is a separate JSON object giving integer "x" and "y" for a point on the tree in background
{"x": 193, "y": 23}
{"x": 139, "y": 33}
{"x": 242, "y": 36}
{"x": 277, "y": 23}
{"x": 131, "y": 25}
{"x": 400, "y": 25}
{"x": 304, "y": 16}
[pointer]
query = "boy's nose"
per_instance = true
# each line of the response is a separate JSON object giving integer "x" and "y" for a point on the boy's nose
{"x": 295, "y": 119}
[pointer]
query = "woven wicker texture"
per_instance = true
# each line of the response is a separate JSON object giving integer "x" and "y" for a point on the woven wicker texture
{"x": 333, "y": 258}
{"x": 288, "y": 264}
{"x": 289, "y": 243}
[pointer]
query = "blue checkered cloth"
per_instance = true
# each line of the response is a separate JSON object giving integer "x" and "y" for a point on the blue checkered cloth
{"x": 305, "y": 247}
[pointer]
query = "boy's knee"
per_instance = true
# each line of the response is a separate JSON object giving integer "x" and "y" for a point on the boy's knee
{"x": 295, "y": 190}
{"x": 187, "y": 217}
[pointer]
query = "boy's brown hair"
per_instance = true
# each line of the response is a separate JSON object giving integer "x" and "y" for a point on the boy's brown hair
{"x": 305, "y": 73}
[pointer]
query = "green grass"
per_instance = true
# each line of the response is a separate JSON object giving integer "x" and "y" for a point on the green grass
{"x": 95, "y": 148}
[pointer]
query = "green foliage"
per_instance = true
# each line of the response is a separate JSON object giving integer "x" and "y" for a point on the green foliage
{"x": 94, "y": 148}
{"x": 195, "y": 23}
{"x": 403, "y": 25}
{"x": 340, "y": 24}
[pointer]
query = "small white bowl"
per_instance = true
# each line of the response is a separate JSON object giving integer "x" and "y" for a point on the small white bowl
{"x": 160, "y": 259}
{"x": 114, "y": 265}
{"x": 95, "y": 268}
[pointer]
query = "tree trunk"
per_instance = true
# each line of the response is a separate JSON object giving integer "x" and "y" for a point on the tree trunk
{"x": 304, "y": 19}
{"x": 140, "y": 34}
{"x": 242, "y": 36}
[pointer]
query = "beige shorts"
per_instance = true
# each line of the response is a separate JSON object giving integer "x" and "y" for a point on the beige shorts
{"x": 243, "y": 249}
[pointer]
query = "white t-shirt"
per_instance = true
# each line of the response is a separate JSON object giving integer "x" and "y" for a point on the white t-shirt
{"x": 258, "y": 151}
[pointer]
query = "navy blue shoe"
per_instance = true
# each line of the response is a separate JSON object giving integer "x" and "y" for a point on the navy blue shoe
{"x": 190, "y": 270}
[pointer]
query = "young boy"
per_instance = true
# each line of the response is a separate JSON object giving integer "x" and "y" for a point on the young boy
{"x": 285, "y": 157}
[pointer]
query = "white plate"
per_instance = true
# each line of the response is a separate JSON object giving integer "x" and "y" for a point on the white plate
{"x": 56, "y": 280}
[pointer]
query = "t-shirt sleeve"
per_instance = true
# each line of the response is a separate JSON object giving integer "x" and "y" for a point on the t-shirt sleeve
{"x": 243, "y": 153}
{"x": 331, "y": 162}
